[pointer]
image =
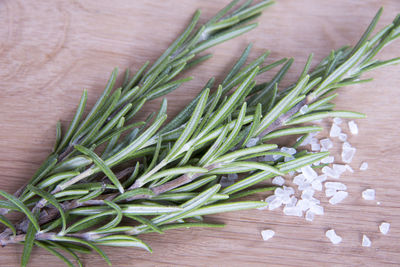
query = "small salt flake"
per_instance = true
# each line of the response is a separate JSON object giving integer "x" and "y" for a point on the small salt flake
{"x": 342, "y": 137}
{"x": 304, "y": 109}
{"x": 364, "y": 166}
{"x": 330, "y": 172}
{"x": 368, "y": 194}
{"x": 252, "y": 142}
{"x": 307, "y": 193}
{"x": 322, "y": 178}
{"x": 299, "y": 179}
{"x": 303, "y": 204}
{"x": 338, "y": 197}
{"x": 353, "y": 127}
{"x": 349, "y": 168}
{"x": 378, "y": 203}
{"x": 288, "y": 190}
{"x": 337, "y": 121}
{"x": 326, "y": 143}
{"x": 304, "y": 186}
{"x": 267, "y": 234}
{"x": 330, "y": 192}
{"x": 348, "y": 152}
{"x": 335, "y": 130}
{"x": 333, "y": 237}
{"x": 317, "y": 209}
{"x": 309, "y": 173}
{"x": 292, "y": 203}
{"x": 310, "y": 216}
{"x": 293, "y": 211}
{"x": 276, "y": 203}
{"x": 315, "y": 147}
{"x": 327, "y": 160}
{"x": 335, "y": 185}
{"x": 278, "y": 180}
{"x": 316, "y": 185}
{"x": 384, "y": 228}
{"x": 366, "y": 242}
{"x": 339, "y": 168}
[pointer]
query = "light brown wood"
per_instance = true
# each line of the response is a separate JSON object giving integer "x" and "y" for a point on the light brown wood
{"x": 51, "y": 50}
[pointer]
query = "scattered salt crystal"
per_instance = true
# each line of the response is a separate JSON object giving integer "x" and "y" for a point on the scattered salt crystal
{"x": 335, "y": 185}
{"x": 270, "y": 198}
{"x": 293, "y": 201}
{"x": 368, "y": 194}
{"x": 307, "y": 193}
{"x": 378, "y": 203}
{"x": 384, "y": 228}
{"x": 288, "y": 190}
{"x": 330, "y": 172}
{"x": 276, "y": 157}
{"x": 304, "y": 186}
{"x": 304, "y": 109}
{"x": 299, "y": 179}
{"x": 353, "y": 127}
{"x": 366, "y": 242}
{"x": 364, "y": 166}
{"x": 346, "y": 145}
{"x": 339, "y": 168}
{"x": 268, "y": 158}
{"x": 303, "y": 204}
{"x": 267, "y": 234}
{"x": 314, "y": 201}
{"x": 326, "y": 143}
{"x": 286, "y": 159}
{"x": 335, "y": 131}
{"x": 279, "y": 192}
{"x": 348, "y": 154}
{"x": 293, "y": 211}
{"x": 276, "y": 203}
{"x": 337, "y": 120}
{"x": 342, "y": 137}
{"x": 338, "y": 197}
{"x": 315, "y": 147}
{"x": 286, "y": 199}
{"x": 322, "y": 178}
{"x": 316, "y": 185}
{"x": 317, "y": 209}
{"x": 333, "y": 237}
{"x": 350, "y": 169}
{"x": 329, "y": 159}
{"x": 306, "y": 140}
{"x": 309, "y": 173}
{"x": 310, "y": 216}
{"x": 317, "y": 163}
{"x": 278, "y": 180}
{"x": 252, "y": 142}
{"x": 330, "y": 192}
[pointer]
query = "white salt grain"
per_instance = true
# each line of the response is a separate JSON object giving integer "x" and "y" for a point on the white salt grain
{"x": 307, "y": 193}
{"x": 364, "y": 166}
{"x": 333, "y": 237}
{"x": 350, "y": 169}
{"x": 317, "y": 209}
{"x": 288, "y": 190}
{"x": 337, "y": 120}
{"x": 342, "y": 137}
{"x": 309, "y": 173}
{"x": 303, "y": 204}
{"x": 330, "y": 172}
{"x": 293, "y": 211}
{"x": 304, "y": 186}
{"x": 267, "y": 234}
{"x": 336, "y": 185}
{"x": 348, "y": 154}
{"x": 316, "y": 185}
{"x": 299, "y": 179}
{"x": 278, "y": 180}
{"x": 322, "y": 178}
{"x": 368, "y": 194}
{"x": 276, "y": 203}
{"x": 293, "y": 201}
{"x": 315, "y": 147}
{"x": 338, "y": 197}
{"x": 310, "y": 216}
{"x": 329, "y": 159}
{"x": 339, "y": 168}
{"x": 353, "y": 127}
{"x": 330, "y": 192}
{"x": 252, "y": 142}
{"x": 384, "y": 228}
{"x": 366, "y": 242}
{"x": 335, "y": 130}
{"x": 326, "y": 143}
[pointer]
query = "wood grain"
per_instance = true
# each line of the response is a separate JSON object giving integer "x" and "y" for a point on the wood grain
{"x": 51, "y": 50}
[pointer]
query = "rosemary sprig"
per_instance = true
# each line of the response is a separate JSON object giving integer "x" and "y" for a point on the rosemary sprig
{"x": 162, "y": 177}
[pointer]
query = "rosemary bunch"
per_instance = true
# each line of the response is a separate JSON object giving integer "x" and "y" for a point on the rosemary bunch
{"x": 99, "y": 187}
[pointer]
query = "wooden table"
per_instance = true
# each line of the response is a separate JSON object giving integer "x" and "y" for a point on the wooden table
{"x": 51, "y": 50}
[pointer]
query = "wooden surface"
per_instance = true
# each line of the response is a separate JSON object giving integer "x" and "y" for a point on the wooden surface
{"x": 51, "y": 50}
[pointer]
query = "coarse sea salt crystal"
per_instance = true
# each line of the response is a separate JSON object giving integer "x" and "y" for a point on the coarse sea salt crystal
{"x": 307, "y": 193}
{"x": 317, "y": 209}
{"x": 349, "y": 168}
{"x": 330, "y": 192}
{"x": 330, "y": 172}
{"x": 335, "y": 185}
{"x": 267, "y": 234}
{"x": 366, "y": 242}
{"x": 335, "y": 131}
{"x": 353, "y": 127}
{"x": 342, "y": 137}
{"x": 333, "y": 237}
{"x": 364, "y": 166}
{"x": 310, "y": 216}
{"x": 315, "y": 147}
{"x": 293, "y": 211}
{"x": 299, "y": 179}
{"x": 368, "y": 194}
{"x": 316, "y": 185}
{"x": 348, "y": 154}
{"x": 293, "y": 201}
{"x": 322, "y": 178}
{"x": 252, "y": 142}
{"x": 288, "y": 190}
{"x": 303, "y": 204}
{"x": 309, "y": 173}
{"x": 339, "y": 168}
{"x": 304, "y": 186}
{"x": 338, "y": 197}
{"x": 276, "y": 203}
{"x": 337, "y": 120}
{"x": 326, "y": 143}
{"x": 278, "y": 180}
{"x": 327, "y": 160}
{"x": 384, "y": 228}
